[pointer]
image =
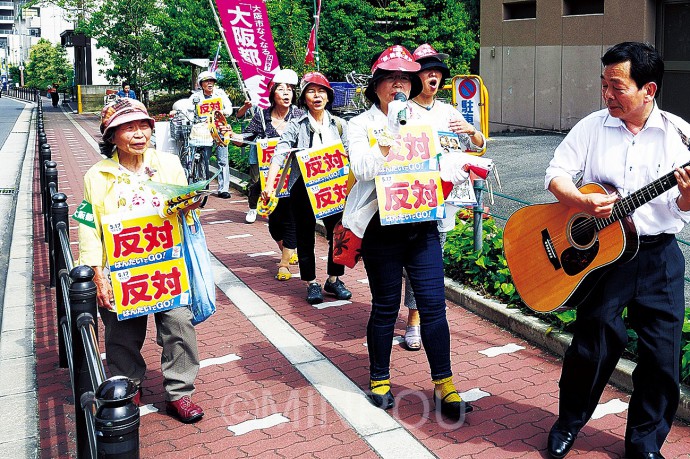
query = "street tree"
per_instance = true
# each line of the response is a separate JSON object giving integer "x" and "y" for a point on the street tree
{"x": 47, "y": 65}
{"x": 125, "y": 30}
{"x": 187, "y": 30}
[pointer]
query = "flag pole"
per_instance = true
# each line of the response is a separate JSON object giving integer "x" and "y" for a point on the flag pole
{"x": 316, "y": 36}
{"x": 227, "y": 46}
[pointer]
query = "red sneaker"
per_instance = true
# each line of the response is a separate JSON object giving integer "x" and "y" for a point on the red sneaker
{"x": 184, "y": 409}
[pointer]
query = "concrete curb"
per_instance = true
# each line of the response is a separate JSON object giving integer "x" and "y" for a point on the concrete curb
{"x": 19, "y": 432}
{"x": 539, "y": 333}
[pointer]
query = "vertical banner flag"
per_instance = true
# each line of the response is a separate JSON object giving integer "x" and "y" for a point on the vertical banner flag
{"x": 147, "y": 266}
{"x": 248, "y": 34}
{"x": 214, "y": 65}
{"x": 408, "y": 186}
{"x": 311, "y": 45}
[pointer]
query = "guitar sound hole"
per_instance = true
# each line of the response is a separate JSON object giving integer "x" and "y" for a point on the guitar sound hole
{"x": 583, "y": 232}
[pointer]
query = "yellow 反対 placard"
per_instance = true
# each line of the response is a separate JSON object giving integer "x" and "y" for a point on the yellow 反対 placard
{"x": 146, "y": 263}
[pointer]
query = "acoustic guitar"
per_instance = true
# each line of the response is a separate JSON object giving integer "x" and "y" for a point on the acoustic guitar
{"x": 556, "y": 253}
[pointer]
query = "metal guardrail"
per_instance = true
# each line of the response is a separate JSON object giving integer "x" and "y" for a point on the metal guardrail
{"x": 27, "y": 94}
{"x": 106, "y": 420}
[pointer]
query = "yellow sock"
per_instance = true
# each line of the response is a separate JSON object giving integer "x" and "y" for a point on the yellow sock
{"x": 381, "y": 387}
{"x": 444, "y": 387}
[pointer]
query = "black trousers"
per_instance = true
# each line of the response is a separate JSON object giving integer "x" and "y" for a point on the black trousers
{"x": 651, "y": 286}
{"x": 305, "y": 225}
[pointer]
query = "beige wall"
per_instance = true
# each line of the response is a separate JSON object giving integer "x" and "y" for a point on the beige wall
{"x": 543, "y": 73}
{"x": 91, "y": 97}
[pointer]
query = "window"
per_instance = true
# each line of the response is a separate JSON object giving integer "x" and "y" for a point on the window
{"x": 580, "y": 7}
{"x": 520, "y": 10}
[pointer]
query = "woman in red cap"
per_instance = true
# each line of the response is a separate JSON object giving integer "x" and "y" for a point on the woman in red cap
{"x": 387, "y": 250}
{"x": 317, "y": 127}
{"x": 114, "y": 186}
{"x": 425, "y": 107}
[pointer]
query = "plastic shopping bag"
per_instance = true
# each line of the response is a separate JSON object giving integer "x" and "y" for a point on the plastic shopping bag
{"x": 198, "y": 261}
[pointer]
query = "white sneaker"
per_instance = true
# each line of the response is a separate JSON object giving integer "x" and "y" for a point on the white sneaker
{"x": 251, "y": 216}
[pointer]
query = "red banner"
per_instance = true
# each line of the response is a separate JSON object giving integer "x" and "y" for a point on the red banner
{"x": 311, "y": 45}
{"x": 248, "y": 34}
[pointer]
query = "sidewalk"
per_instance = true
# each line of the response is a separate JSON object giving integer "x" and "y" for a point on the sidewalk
{"x": 281, "y": 378}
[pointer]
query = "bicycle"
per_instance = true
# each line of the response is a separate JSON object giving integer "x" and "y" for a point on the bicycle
{"x": 195, "y": 138}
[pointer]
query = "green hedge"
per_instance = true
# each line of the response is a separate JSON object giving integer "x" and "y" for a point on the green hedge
{"x": 487, "y": 272}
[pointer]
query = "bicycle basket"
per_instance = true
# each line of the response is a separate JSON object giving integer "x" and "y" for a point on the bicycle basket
{"x": 200, "y": 136}
{"x": 180, "y": 127}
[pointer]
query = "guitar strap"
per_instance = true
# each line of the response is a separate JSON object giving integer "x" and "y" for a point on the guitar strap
{"x": 683, "y": 137}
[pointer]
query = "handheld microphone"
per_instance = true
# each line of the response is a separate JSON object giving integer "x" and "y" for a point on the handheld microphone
{"x": 402, "y": 115}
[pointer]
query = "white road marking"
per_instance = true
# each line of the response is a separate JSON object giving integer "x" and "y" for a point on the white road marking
{"x": 219, "y": 360}
{"x": 507, "y": 349}
{"x": 614, "y": 406}
{"x": 258, "y": 424}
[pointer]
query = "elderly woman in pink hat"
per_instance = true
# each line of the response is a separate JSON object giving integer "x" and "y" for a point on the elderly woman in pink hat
{"x": 387, "y": 250}
{"x": 114, "y": 186}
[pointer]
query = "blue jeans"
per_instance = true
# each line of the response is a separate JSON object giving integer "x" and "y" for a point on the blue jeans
{"x": 224, "y": 176}
{"x": 386, "y": 250}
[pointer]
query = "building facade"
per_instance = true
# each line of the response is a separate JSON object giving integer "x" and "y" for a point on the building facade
{"x": 540, "y": 59}
{"x": 22, "y": 27}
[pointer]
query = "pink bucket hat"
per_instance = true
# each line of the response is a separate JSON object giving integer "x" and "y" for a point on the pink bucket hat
{"x": 123, "y": 111}
{"x": 392, "y": 59}
{"x": 395, "y": 57}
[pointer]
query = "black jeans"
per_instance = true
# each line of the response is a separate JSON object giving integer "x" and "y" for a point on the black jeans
{"x": 386, "y": 250}
{"x": 254, "y": 188}
{"x": 281, "y": 225}
{"x": 305, "y": 225}
{"x": 651, "y": 286}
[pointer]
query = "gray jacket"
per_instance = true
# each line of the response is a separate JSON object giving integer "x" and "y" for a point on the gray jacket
{"x": 299, "y": 134}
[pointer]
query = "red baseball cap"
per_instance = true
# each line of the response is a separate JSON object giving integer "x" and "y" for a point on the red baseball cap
{"x": 426, "y": 50}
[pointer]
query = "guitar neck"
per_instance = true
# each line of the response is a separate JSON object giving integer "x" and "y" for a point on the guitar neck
{"x": 627, "y": 205}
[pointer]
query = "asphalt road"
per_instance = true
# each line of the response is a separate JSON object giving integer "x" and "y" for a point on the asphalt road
{"x": 9, "y": 179}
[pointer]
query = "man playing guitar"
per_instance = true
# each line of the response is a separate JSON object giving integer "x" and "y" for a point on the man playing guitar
{"x": 628, "y": 144}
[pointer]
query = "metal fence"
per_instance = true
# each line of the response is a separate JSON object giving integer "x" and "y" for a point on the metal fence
{"x": 106, "y": 420}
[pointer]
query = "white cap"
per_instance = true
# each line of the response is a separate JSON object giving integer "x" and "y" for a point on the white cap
{"x": 206, "y": 75}
{"x": 286, "y": 76}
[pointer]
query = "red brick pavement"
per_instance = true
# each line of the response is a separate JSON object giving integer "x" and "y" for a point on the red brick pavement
{"x": 511, "y": 422}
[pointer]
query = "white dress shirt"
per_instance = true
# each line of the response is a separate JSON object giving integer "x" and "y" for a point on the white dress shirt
{"x": 605, "y": 151}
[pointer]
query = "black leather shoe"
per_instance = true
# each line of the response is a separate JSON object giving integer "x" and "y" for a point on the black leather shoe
{"x": 638, "y": 455}
{"x": 224, "y": 195}
{"x": 453, "y": 410}
{"x": 560, "y": 441}
{"x": 385, "y": 401}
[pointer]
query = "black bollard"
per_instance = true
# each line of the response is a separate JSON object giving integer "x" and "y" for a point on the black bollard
{"x": 117, "y": 419}
{"x": 45, "y": 155}
{"x": 50, "y": 176}
{"x": 59, "y": 213}
{"x": 82, "y": 301}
